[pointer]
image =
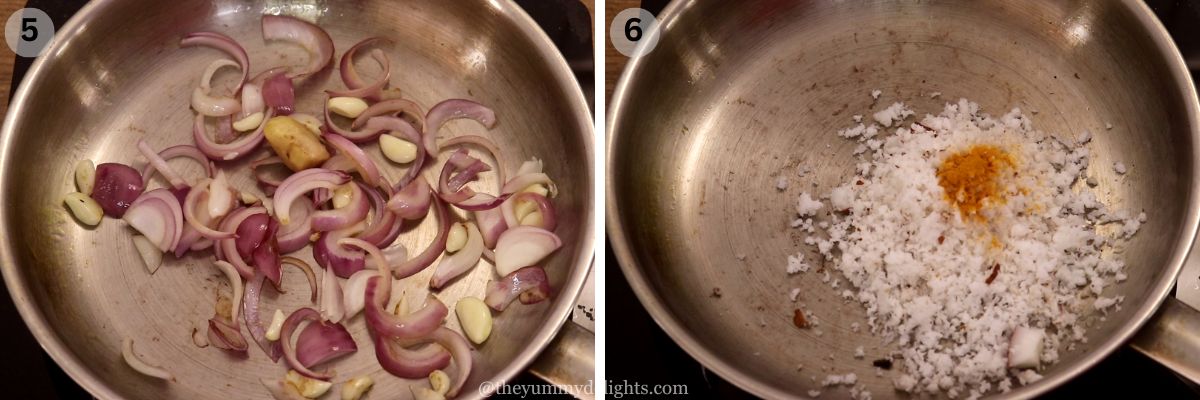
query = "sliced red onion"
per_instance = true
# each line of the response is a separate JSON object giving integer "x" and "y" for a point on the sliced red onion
{"x": 309, "y": 36}
{"x": 226, "y": 151}
{"x": 303, "y": 182}
{"x": 416, "y": 264}
{"x": 157, "y": 216}
{"x": 332, "y": 309}
{"x": 225, "y": 133}
{"x": 267, "y": 182}
{"x": 160, "y": 165}
{"x": 460, "y": 350}
{"x": 486, "y": 144}
{"x": 262, "y": 77}
{"x": 182, "y": 150}
{"x": 342, "y": 260}
{"x": 116, "y": 187}
{"x": 362, "y": 163}
{"x": 355, "y": 291}
{"x": 339, "y": 162}
{"x": 208, "y": 105}
{"x": 522, "y": 181}
{"x": 189, "y": 240}
{"x": 411, "y": 326}
{"x": 406, "y": 131}
{"x": 491, "y": 225}
{"x": 266, "y": 255}
{"x": 279, "y": 94}
{"x": 549, "y": 221}
{"x": 224, "y": 335}
{"x": 461, "y": 261}
{"x": 296, "y": 235}
{"x": 254, "y": 321}
{"x": 199, "y": 219}
{"x": 393, "y": 107}
{"x": 523, "y": 246}
{"x": 373, "y": 91}
{"x": 383, "y": 228}
{"x": 339, "y": 218}
{"x": 460, "y": 169}
{"x": 320, "y": 342}
{"x": 355, "y": 85}
{"x": 451, "y": 110}
{"x": 308, "y": 273}
{"x": 412, "y": 201}
{"x": 252, "y": 100}
{"x": 250, "y": 234}
{"x": 289, "y": 353}
{"x": 227, "y": 248}
{"x": 409, "y": 364}
{"x": 220, "y": 42}
{"x": 531, "y": 280}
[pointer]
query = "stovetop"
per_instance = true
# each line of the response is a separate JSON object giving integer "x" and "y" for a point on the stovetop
{"x": 27, "y": 372}
{"x": 1124, "y": 374}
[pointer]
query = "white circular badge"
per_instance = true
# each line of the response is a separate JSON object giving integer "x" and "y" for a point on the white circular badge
{"x": 634, "y": 31}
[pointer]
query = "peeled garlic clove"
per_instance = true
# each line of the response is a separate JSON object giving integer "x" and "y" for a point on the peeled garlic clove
{"x": 308, "y": 387}
{"x": 84, "y": 209}
{"x": 341, "y": 196}
{"x": 475, "y": 318}
{"x": 251, "y": 122}
{"x": 349, "y": 107}
{"x": 523, "y": 208}
{"x": 85, "y": 176}
{"x": 1025, "y": 347}
{"x": 248, "y": 198}
{"x": 424, "y": 393}
{"x": 398, "y": 150}
{"x": 532, "y": 219}
{"x": 537, "y": 188}
{"x": 276, "y": 326}
{"x": 354, "y": 388}
{"x": 457, "y": 238}
{"x": 440, "y": 381}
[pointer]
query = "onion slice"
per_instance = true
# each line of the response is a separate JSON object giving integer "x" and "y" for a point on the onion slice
{"x": 143, "y": 367}
{"x": 157, "y": 215}
{"x": 279, "y": 94}
{"x": 199, "y": 222}
{"x": 308, "y": 273}
{"x": 460, "y": 262}
{"x": 355, "y": 85}
{"x": 332, "y": 309}
{"x": 160, "y": 165}
{"x": 254, "y": 321}
{"x": 220, "y": 42}
{"x": 529, "y": 283}
{"x": 453, "y": 109}
{"x": 412, "y": 201}
{"x": 227, "y": 248}
{"x": 409, "y": 364}
{"x": 491, "y": 224}
{"x": 182, "y": 150}
{"x": 289, "y": 352}
{"x": 295, "y": 236}
{"x": 416, "y": 264}
{"x": 225, "y": 335}
{"x": 311, "y": 37}
{"x": 303, "y": 182}
{"x": 355, "y": 292}
{"x": 523, "y": 246}
{"x": 320, "y": 342}
{"x": 226, "y": 151}
{"x": 363, "y": 164}
{"x": 329, "y": 255}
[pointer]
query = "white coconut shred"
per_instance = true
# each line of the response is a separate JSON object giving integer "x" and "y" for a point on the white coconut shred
{"x": 948, "y": 277}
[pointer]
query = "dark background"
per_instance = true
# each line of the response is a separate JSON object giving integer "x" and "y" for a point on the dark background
{"x": 639, "y": 351}
{"x": 27, "y": 372}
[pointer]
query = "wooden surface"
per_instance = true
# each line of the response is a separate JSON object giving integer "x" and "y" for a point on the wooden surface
{"x": 7, "y": 7}
{"x": 614, "y": 62}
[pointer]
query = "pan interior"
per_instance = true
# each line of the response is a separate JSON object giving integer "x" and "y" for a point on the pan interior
{"x": 737, "y": 94}
{"x": 121, "y": 76}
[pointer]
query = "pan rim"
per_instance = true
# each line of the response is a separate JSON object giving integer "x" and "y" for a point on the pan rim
{"x": 560, "y": 312}
{"x": 656, "y": 306}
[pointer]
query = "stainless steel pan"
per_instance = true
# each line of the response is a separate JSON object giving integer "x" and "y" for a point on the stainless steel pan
{"x": 116, "y": 73}
{"x": 738, "y": 92}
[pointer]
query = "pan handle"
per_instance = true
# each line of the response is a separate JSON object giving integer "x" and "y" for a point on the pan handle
{"x": 1172, "y": 337}
{"x": 570, "y": 361}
